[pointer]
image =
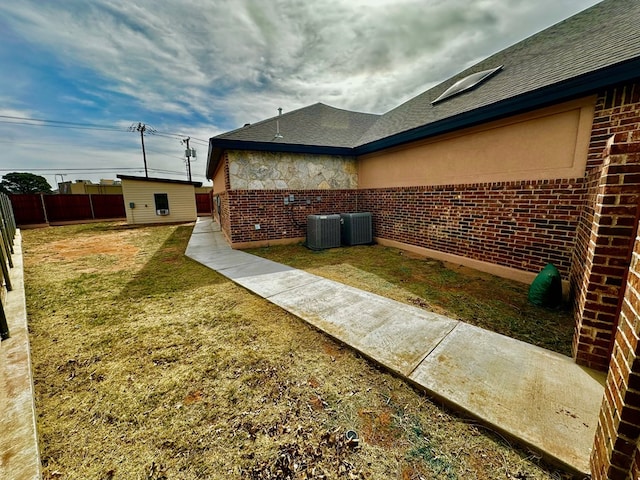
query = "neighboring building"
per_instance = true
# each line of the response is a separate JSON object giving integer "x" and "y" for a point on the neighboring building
{"x": 534, "y": 158}
{"x": 157, "y": 200}
{"x": 83, "y": 187}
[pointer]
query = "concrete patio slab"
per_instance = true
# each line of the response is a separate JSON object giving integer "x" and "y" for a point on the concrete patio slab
{"x": 257, "y": 266}
{"x": 394, "y": 334}
{"x": 222, "y": 258}
{"x": 278, "y": 282}
{"x": 540, "y": 397}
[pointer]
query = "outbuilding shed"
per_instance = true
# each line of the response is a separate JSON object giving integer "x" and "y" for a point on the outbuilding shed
{"x": 158, "y": 200}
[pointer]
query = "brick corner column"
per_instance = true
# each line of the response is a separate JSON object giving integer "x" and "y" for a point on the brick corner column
{"x": 616, "y": 454}
{"x": 608, "y": 253}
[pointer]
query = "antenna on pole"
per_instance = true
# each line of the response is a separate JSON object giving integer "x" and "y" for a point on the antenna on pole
{"x": 142, "y": 128}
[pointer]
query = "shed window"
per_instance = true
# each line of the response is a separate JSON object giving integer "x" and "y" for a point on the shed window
{"x": 162, "y": 203}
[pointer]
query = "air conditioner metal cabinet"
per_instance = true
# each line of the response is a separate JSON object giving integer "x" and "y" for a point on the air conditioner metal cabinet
{"x": 323, "y": 231}
{"x": 356, "y": 228}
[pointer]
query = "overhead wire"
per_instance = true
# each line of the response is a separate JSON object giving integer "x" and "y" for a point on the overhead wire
{"x": 42, "y": 122}
{"x": 98, "y": 170}
{"x": 110, "y": 129}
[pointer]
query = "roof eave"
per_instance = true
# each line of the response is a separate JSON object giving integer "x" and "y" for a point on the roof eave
{"x": 563, "y": 91}
{"x": 158, "y": 180}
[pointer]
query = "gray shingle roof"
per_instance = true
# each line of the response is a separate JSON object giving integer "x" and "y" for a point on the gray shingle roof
{"x": 597, "y": 38}
{"x": 596, "y": 48}
{"x": 317, "y": 124}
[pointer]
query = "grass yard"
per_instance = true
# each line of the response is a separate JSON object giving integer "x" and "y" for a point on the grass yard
{"x": 150, "y": 366}
{"x": 457, "y": 292}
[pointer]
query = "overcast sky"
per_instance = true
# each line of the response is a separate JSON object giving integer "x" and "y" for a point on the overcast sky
{"x": 201, "y": 67}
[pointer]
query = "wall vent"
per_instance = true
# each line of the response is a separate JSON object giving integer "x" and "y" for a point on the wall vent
{"x": 323, "y": 231}
{"x": 162, "y": 211}
{"x": 356, "y": 228}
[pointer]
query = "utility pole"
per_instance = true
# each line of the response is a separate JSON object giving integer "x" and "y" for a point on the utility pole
{"x": 189, "y": 153}
{"x": 55, "y": 177}
{"x": 142, "y": 128}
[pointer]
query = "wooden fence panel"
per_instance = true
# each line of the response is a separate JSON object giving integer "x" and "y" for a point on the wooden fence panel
{"x": 203, "y": 203}
{"x": 108, "y": 206}
{"x": 65, "y": 208}
{"x": 28, "y": 209}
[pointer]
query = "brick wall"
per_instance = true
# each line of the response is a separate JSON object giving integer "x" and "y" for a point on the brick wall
{"x": 605, "y": 229}
{"x": 522, "y": 225}
{"x": 615, "y": 455}
{"x": 277, "y": 220}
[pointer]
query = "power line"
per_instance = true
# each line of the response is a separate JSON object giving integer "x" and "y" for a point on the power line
{"x": 180, "y": 137}
{"x": 43, "y": 122}
{"x": 34, "y": 143}
{"x": 62, "y": 122}
{"x": 93, "y": 170}
{"x": 108, "y": 169}
{"x": 165, "y": 154}
{"x": 108, "y": 129}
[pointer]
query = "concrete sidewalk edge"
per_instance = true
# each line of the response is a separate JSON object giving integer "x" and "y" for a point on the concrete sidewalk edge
{"x": 20, "y": 452}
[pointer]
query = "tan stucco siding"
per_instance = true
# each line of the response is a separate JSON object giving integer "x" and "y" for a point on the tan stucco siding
{"x": 249, "y": 170}
{"x": 546, "y": 144}
{"x": 219, "y": 178}
{"x": 182, "y": 202}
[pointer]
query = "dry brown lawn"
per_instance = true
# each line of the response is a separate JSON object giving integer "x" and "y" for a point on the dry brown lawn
{"x": 150, "y": 366}
{"x": 455, "y": 291}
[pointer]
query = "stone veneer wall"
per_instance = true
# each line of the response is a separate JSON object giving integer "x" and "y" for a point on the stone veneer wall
{"x": 249, "y": 170}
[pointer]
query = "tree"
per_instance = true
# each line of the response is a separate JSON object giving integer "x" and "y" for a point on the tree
{"x": 17, "y": 182}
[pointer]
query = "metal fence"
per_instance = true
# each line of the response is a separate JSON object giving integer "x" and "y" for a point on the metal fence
{"x": 8, "y": 233}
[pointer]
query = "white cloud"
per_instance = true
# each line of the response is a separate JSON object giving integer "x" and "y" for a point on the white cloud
{"x": 236, "y": 61}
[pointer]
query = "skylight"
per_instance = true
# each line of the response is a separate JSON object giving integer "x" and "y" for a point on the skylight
{"x": 467, "y": 83}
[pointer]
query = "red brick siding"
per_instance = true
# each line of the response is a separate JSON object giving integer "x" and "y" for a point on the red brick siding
{"x": 277, "y": 220}
{"x": 522, "y": 225}
{"x": 605, "y": 228}
{"x": 615, "y": 454}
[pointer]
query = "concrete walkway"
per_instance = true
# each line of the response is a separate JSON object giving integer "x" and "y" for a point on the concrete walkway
{"x": 19, "y": 454}
{"x": 541, "y": 398}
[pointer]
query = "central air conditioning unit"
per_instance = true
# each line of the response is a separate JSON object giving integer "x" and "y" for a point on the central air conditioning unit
{"x": 356, "y": 228}
{"x": 162, "y": 211}
{"x": 323, "y": 231}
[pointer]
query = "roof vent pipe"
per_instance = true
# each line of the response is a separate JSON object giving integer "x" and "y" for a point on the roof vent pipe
{"x": 278, "y": 134}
